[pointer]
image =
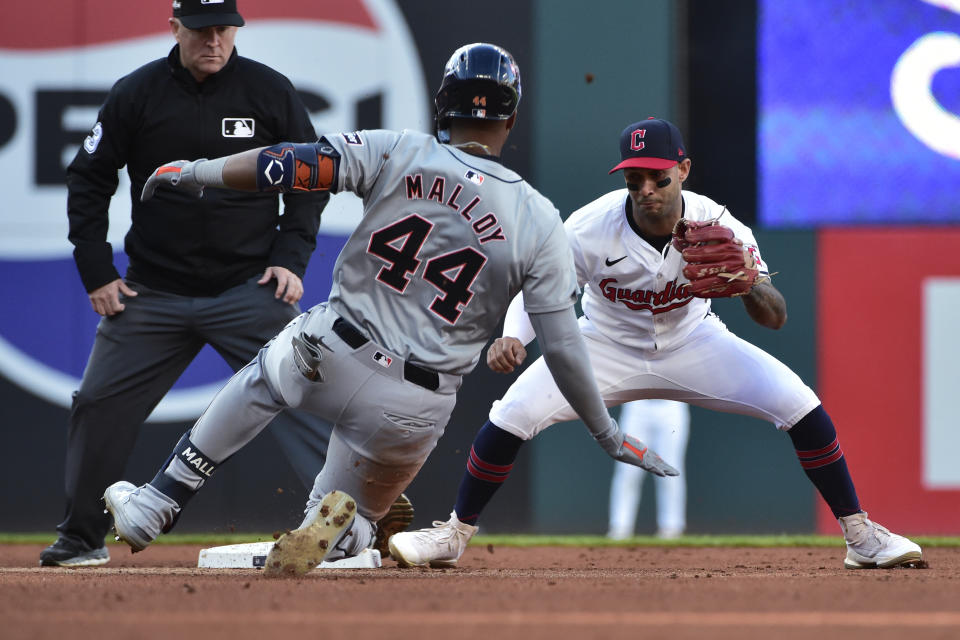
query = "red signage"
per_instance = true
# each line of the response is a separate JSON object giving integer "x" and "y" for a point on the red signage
{"x": 873, "y": 284}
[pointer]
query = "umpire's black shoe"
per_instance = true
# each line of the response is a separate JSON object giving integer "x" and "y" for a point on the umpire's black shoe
{"x": 66, "y": 553}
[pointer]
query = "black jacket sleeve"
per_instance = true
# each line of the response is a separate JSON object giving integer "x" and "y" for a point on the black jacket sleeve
{"x": 92, "y": 179}
{"x": 300, "y": 221}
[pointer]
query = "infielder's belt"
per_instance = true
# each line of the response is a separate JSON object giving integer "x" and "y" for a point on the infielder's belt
{"x": 417, "y": 375}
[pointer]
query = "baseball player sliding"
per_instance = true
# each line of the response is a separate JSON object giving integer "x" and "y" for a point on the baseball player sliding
{"x": 649, "y": 258}
{"x": 448, "y": 237}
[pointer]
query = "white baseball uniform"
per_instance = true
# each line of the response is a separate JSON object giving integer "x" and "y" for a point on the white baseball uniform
{"x": 646, "y": 335}
{"x": 447, "y": 239}
{"x": 664, "y": 426}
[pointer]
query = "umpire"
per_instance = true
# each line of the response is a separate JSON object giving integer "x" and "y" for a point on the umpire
{"x": 223, "y": 270}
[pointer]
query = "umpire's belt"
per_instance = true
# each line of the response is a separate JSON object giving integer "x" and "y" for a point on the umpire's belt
{"x": 417, "y": 375}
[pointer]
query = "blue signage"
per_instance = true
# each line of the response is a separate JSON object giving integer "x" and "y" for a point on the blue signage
{"x": 859, "y": 112}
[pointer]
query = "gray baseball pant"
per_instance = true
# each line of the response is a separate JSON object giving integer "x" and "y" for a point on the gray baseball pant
{"x": 385, "y": 426}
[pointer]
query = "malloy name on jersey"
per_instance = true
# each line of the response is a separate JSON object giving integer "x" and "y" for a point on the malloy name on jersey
{"x": 414, "y": 188}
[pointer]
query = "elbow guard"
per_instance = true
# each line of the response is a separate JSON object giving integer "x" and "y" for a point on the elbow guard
{"x": 291, "y": 166}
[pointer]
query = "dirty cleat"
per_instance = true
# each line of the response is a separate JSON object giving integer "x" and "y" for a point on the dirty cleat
{"x": 67, "y": 553}
{"x": 398, "y": 518}
{"x": 872, "y": 546}
{"x": 140, "y": 514}
{"x": 440, "y": 546}
{"x": 300, "y": 551}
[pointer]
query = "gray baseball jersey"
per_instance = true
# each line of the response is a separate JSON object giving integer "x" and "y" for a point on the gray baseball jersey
{"x": 446, "y": 241}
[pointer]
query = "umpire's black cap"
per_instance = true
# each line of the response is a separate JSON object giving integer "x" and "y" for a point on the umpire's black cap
{"x": 650, "y": 144}
{"x": 199, "y": 14}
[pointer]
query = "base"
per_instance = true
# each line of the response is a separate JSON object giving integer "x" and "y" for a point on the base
{"x": 253, "y": 555}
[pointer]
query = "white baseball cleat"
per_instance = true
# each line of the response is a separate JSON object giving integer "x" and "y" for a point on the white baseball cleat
{"x": 872, "y": 546}
{"x": 300, "y": 551}
{"x": 440, "y": 546}
{"x": 140, "y": 514}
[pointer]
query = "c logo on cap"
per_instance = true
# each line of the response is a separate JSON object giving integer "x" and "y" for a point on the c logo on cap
{"x": 636, "y": 139}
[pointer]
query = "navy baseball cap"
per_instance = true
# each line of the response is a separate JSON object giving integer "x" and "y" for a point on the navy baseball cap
{"x": 199, "y": 14}
{"x": 650, "y": 144}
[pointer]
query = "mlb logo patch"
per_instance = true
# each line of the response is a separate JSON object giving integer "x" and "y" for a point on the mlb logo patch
{"x": 473, "y": 177}
{"x": 352, "y": 138}
{"x": 237, "y": 127}
{"x": 382, "y": 359}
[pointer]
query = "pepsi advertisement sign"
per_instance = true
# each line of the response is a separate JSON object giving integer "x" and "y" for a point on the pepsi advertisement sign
{"x": 858, "y": 112}
{"x": 354, "y": 62}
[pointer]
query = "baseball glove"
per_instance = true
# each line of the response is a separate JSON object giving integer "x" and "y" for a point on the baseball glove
{"x": 718, "y": 265}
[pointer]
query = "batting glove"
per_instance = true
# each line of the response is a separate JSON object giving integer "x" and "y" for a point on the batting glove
{"x": 180, "y": 174}
{"x": 630, "y": 450}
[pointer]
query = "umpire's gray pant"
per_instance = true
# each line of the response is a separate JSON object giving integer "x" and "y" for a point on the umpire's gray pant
{"x": 136, "y": 358}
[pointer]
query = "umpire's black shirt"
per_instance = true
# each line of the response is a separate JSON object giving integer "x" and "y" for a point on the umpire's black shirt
{"x": 178, "y": 243}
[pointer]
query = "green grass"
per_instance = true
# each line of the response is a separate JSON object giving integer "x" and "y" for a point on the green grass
{"x": 784, "y": 540}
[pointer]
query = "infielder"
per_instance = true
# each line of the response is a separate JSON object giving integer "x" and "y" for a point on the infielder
{"x": 448, "y": 237}
{"x": 649, "y": 258}
{"x": 665, "y": 426}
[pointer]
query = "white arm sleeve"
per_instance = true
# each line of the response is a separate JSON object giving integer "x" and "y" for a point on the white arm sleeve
{"x": 566, "y": 356}
{"x": 516, "y": 323}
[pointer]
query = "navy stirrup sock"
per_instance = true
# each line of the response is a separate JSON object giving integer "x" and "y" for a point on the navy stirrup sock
{"x": 491, "y": 459}
{"x": 817, "y": 446}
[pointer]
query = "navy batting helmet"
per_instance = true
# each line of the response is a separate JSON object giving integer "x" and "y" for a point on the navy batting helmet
{"x": 480, "y": 81}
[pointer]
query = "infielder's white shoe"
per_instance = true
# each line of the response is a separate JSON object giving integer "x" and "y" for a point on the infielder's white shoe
{"x": 300, "y": 551}
{"x": 140, "y": 514}
{"x": 440, "y": 546}
{"x": 871, "y": 546}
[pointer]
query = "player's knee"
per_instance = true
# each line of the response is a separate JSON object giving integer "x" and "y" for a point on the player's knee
{"x": 513, "y": 420}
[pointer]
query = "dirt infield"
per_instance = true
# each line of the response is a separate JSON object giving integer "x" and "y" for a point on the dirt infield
{"x": 529, "y": 593}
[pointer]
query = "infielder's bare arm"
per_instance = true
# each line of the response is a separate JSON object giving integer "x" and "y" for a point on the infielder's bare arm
{"x": 766, "y": 306}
